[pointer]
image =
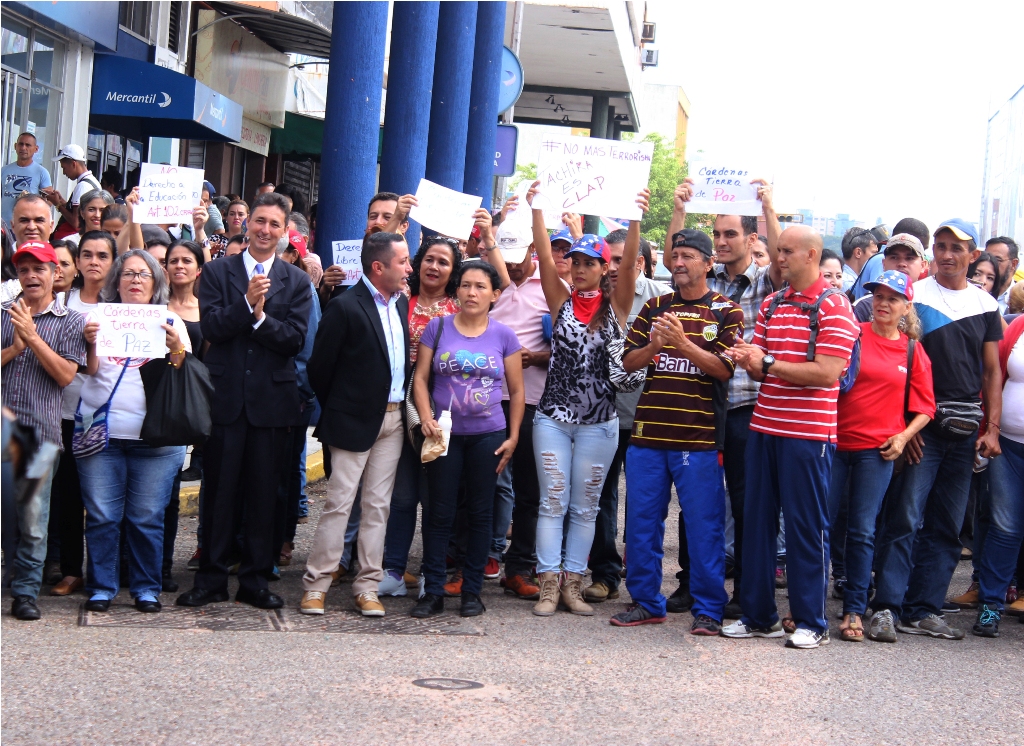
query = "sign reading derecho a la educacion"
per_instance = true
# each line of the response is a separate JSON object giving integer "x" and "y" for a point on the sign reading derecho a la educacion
{"x": 592, "y": 176}
{"x": 167, "y": 194}
{"x": 723, "y": 188}
{"x": 348, "y": 256}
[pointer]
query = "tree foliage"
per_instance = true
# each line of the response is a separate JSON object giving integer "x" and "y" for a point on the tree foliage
{"x": 666, "y": 174}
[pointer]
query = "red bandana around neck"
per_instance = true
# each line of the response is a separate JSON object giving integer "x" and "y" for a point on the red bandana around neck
{"x": 585, "y": 304}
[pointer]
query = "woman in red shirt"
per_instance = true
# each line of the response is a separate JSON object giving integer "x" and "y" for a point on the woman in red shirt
{"x": 873, "y": 429}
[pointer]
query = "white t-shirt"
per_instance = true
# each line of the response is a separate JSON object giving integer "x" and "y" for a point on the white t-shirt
{"x": 1012, "y": 423}
{"x": 128, "y": 407}
{"x": 73, "y": 390}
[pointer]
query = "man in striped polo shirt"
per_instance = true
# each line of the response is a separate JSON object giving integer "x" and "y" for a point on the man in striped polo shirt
{"x": 681, "y": 338}
{"x": 792, "y": 441}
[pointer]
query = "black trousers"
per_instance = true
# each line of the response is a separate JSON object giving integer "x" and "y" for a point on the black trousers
{"x": 737, "y": 428}
{"x": 290, "y": 488}
{"x": 522, "y": 552}
{"x": 242, "y": 467}
{"x": 605, "y": 562}
{"x": 66, "y": 497}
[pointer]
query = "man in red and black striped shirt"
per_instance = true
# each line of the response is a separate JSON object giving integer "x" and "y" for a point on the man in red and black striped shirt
{"x": 792, "y": 441}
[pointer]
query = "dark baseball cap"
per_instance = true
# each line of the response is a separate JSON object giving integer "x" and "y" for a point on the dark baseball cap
{"x": 693, "y": 239}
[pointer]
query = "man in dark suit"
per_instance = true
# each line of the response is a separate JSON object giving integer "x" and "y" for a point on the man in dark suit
{"x": 254, "y": 310}
{"x": 359, "y": 369}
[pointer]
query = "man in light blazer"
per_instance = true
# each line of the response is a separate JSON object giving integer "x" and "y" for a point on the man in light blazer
{"x": 359, "y": 370}
{"x": 254, "y": 310}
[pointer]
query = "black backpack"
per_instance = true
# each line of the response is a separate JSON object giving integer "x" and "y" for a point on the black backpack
{"x": 849, "y": 376}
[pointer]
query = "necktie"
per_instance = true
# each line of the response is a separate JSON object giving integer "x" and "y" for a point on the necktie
{"x": 259, "y": 269}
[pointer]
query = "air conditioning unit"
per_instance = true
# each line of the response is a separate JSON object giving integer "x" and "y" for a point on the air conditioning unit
{"x": 649, "y": 57}
{"x": 647, "y": 35}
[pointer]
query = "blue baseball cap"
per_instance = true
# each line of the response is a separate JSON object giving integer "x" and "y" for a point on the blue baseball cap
{"x": 593, "y": 246}
{"x": 209, "y": 187}
{"x": 562, "y": 235}
{"x": 896, "y": 281}
{"x": 961, "y": 229}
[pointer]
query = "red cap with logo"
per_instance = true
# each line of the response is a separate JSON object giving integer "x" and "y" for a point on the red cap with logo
{"x": 38, "y": 249}
{"x": 297, "y": 241}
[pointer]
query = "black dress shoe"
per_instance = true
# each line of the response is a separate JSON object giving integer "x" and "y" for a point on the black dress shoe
{"x": 25, "y": 609}
{"x": 679, "y": 602}
{"x": 201, "y": 597}
{"x": 147, "y": 607}
{"x": 429, "y": 605}
{"x": 471, "y": 605}
{"x": 97, "y": 604}
{"x": 263, "y": 599}
{"x": 167, "y": 582}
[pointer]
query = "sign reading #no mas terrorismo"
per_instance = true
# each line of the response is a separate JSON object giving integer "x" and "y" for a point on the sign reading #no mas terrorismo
{"x": 593, "y": 176}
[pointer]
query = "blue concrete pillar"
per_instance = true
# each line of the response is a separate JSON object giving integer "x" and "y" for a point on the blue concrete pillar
{"x": 348, "y": 174}
{"x": 483, "y": 101}
{"x": 403, "y": 160}
{"x": 449, "y": 105}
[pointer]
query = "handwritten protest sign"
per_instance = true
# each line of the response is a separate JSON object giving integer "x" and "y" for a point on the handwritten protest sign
{"x": 130, "y": 330}
{"x": 348, "y": 256}
{"x": 167, "y": 194}
{"x": 593, "y": 176}
{"x": 723, "y": 188}
{"x": 444, "y": 210}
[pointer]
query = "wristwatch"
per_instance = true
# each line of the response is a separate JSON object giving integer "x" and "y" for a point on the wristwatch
{"x": 766, "y": 362}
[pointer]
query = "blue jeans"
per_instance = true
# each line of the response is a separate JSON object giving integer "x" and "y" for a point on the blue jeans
{"x": 572, "y": 463}
{"x": 997, "y": 555}
{"x": 409, "y": 492}
{"x": 470, "y": 460}
{"x": 700, "y": 487}
{"x": 504, "y": 500}
{"x": 792, "y": 473}
{"x": 129, "y": 480}
{"x": 30, "y": 540}
{"x": 919, "y": 546}
{"x": 868, "y": 475}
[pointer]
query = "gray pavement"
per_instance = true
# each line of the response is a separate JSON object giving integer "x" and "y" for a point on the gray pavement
{"x": 562, "y": 679}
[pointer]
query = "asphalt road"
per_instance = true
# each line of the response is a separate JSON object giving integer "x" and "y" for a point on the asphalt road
{"x": 562, "y": 679}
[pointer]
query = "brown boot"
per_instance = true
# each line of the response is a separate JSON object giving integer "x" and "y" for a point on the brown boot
{"x": 572, "y": 595}
{"x": 548, "y": 602}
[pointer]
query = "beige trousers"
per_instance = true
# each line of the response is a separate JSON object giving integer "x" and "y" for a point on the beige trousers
{"x": 376, "y": 468}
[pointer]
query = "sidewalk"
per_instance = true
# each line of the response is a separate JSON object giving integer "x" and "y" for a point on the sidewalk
{"x": 189, "y": 495}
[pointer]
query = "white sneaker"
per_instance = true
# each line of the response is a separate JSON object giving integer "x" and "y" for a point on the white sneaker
{"x": 807, "y": 638}
{"x": 393, "y": 584}
{"x": 741, "y": 630}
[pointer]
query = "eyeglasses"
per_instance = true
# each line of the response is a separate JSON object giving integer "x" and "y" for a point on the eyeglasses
{"x": 132, "y": 276}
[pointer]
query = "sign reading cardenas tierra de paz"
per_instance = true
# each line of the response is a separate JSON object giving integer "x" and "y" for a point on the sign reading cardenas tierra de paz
{"x": 593, "y": 176}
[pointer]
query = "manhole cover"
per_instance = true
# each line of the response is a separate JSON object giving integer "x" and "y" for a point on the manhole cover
{"x": 449, "y": 685}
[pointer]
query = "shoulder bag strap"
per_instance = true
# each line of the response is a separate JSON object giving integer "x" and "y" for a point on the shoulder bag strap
{"x": 910, "y": 369}
{"x": 114, "y": 390}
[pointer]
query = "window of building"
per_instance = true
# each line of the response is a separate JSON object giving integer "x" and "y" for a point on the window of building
{"x": 135, "y": 17}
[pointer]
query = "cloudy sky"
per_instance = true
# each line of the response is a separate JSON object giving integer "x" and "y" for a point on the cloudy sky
{"x": 876, "y": 109}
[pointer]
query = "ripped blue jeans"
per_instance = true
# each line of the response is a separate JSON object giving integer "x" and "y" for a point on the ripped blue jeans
{"x": 572, "y": 462}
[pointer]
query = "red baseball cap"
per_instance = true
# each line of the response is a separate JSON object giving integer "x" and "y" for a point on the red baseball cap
{"x": 475, "y": 233}
{"x": 38, "y": 249}
{"x": 298, "y": 241}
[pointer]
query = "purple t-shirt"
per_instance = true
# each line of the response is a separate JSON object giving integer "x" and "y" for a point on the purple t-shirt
{"x": 468, "y": 372}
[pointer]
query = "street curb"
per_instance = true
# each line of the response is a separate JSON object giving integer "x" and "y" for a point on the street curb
{"x": 189, "y": 496}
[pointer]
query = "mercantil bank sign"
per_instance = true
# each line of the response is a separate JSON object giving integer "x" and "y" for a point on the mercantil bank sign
{"x": 130, "y": 98}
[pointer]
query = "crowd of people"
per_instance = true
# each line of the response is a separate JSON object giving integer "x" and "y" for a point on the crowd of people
{"x": 852, "y": 418}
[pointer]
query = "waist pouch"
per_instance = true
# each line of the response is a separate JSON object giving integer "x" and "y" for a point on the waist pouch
{"x": 957, "y": 420}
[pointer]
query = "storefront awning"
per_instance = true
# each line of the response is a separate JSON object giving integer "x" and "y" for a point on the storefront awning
{"x": 283, "y": 31}
{"x": 301, "y": 135}
{"x": 138, "y": 99}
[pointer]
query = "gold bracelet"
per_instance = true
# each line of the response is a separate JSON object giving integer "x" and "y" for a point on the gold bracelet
{"x": 179, "y": 352}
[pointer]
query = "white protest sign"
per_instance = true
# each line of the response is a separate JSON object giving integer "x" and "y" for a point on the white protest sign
{"x": 444, "y": 210}
{"x": 167, "y": 194}
{"x": 130, "y": 330}
{"x": 723, "y": 188}
{"x": 348, "y": 256}
{"x": 592, "y": 176}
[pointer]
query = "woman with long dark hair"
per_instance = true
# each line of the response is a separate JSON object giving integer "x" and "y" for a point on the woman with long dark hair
{"x": 433, "y": 287}
{"x": 576, "y": 430}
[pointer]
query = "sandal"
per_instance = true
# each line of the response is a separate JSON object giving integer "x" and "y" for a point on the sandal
{"x": 852, "y": 628}
{"x": 788, "y": 624}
